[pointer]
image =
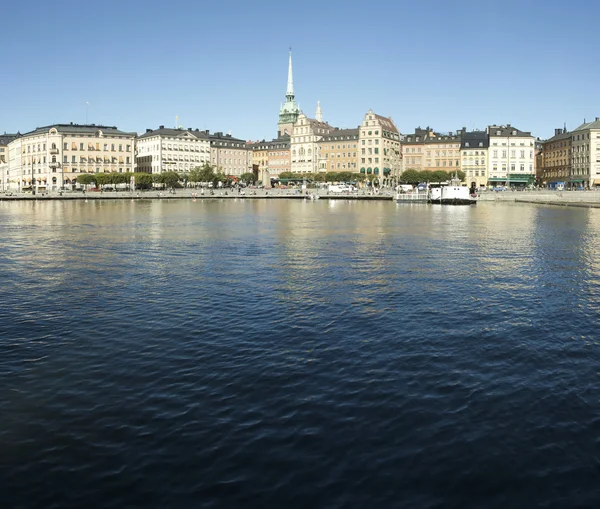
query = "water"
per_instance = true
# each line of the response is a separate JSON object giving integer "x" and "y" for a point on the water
{"x": 298, "y": 354}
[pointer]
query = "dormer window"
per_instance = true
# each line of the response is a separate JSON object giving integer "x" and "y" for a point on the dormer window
{"x": 498, "y": 133}
{"x": 514, "y": 133}
{"x": 466, "y": 144}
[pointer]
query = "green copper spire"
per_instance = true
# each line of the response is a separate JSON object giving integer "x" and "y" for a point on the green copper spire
{"x": 288, "y": 114}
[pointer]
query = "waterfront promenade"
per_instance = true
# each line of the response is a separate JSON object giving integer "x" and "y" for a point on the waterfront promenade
{"x": 546, "y": 197}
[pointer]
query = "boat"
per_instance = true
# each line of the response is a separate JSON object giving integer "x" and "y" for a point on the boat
{"x": 452, "y": 194}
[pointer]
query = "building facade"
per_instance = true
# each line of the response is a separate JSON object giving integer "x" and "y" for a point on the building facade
{"x": 271, "y": 157}
{"x": 177, "y": 150}
{"x": 585, "y": 155}
{"x": 52, "y": 157}
{"x": 5, "y": 139}
{"x": 306, "y": 134}
{"x": 510, "y": 156}
{"x": 289, "y": 112}
{"x": 442, "y": 151}
{"x": 413, "y": 150}
{"x": 379, "y": 143}
{"x": 556, "y": 159}
{"x": 337, "y": 151}
{"x": 474, "y": 156}
{"x": 229, "y": 155}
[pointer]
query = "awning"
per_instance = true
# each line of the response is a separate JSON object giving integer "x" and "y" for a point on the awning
{"x": 376, "y": 171}
{"x": 576, "y": 180}
{"x": 386, "y": 171}
{"x": 369, "y": 170}
{"x": 362, "y": 170}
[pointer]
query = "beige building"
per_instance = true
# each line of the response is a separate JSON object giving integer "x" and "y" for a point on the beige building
{"x": 474, "y": 156}
{"x": 413, "y": 150}
{"x": 585, "y": 156}
{"x": 338, "y": 151}
{"x": 177, "y": 150}
{"x": 379, "y": 143}
{"x": 52, "y": 157}
{"x": 230, "y": 155}
{"x": 306, "y": 134}
{"x": 271, "y": 156}
{"x": 442, "y": 151}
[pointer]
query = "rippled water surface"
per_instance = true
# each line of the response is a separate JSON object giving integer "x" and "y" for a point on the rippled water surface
{"x": 294, "y": 354}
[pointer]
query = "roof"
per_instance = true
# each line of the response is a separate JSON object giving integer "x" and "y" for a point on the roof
{"x": 80, "y": 129}
{"x": 281, "y": 142}
{"x": 475, "y": 139}
{"x": 388, "y": 123}
{"x": 220, "y": 139}
{"x": 5, "y": 139}
{"x": 506, "y": 130}
{"x": 173, "y": 133}
{"x": 430, "y": 136}
{"x": 558, "y": 137}
{"x": 341, "y": 134}
{"x": 589, "y": 125}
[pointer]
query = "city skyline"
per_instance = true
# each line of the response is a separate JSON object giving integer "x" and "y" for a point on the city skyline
{"x": 225, "y": 78}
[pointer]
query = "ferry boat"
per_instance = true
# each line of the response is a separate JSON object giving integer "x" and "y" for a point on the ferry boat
{"x": 452, "y": 194}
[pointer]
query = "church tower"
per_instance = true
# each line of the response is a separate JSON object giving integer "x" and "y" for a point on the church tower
{"x": 288, "y": 114}
{"x": 319, "y": 113}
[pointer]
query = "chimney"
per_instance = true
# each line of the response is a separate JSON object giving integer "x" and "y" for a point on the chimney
{"x": 557, "y": 132}
{"x": 161, "y": 126}
{"x": 189, "y": 129}
{"x": 148, "y": 130}
{"x": 597, "y": 119}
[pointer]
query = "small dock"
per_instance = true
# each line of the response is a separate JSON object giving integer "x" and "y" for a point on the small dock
{"x": 412, "y": 197}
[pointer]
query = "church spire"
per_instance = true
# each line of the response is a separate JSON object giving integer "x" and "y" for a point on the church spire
{"x": 290, "y": 84}
{"x": 319, "y": 114}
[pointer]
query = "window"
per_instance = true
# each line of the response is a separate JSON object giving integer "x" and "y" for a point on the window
{"x": 81, "y": 146}
{"x": 73, "y": 159}
{"x": 65, "y": 146}
{"x": 65, "y": 159}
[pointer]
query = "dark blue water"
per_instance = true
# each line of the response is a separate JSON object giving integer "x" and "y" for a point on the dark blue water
{"x": 298, "y": 355}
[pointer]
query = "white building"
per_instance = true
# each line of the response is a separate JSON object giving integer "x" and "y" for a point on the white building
{"x": 304, "y": 149}
{"x": 510, "y": 156}
{"x": 585, "y": 155}
{"x": 51, "y": 158}
{"x": 175, "y": 150}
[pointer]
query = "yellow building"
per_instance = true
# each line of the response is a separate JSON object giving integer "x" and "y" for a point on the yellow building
{"x": 337, "y": 151}
{"x": 442, "y": 151}
{"x": 379, "y": 143}
{"x": 413, "y": 150}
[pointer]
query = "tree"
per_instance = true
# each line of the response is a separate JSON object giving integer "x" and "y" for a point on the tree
{"x": 439, "y": 176}
{"x": 206, "y": 173}
{"x": 85, "y": 179}
{"x": 247, "y": 178}
{"x": 411, "y": 177}
{"x": 287, "y": 175}
{"x": 119, "y": 178}
{"x": 143, "y": 180}
{"x": 461, "y": 175}
{"x": 169, "y": 178}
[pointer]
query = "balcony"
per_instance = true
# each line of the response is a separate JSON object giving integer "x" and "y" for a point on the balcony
{"x": 54, "y": 164}
{"x": 54, "y": 151}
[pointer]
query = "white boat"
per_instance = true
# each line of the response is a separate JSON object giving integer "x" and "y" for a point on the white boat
{"x": 452, "y": 194}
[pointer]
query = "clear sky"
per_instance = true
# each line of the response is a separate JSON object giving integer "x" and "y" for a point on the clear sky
{"x": 222, "y": 65}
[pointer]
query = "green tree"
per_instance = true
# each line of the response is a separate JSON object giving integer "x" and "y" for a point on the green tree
{"x": 287, "y": 175}
{"x": 411, "y": 176}
{"x": 169, "y": 178}
{"x": 461, "y": 175}
{"x": 247, "y": 178}
{"x": 101, "y": 179}
{"x": 119, "y": 178}
{"x": 206, "y": 173}
{"x": 85, "y": 179}
{"x": 439, "y": 176}
{"x": 143, "y": 180}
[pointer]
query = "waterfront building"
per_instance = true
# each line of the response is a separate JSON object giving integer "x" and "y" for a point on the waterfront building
{"x": 51, "y": 157}
{"x": 442, "y": 151}
{"x": 230, "y": 155}
{"x": 510, "y": 156}
{"x": 5, "y": 139}
{"x": 585, "y": 155}
{"x": 556, "y": 159}
{"x": 289, "y": 112}
{"x": 177, "y": 150}
{"x": 337, "y": 151}
{"x": 474, "y": 155}
{"x": 271, "y": 157}
{"x": 306, "y": 134}
{"x": 413, "y": 150}
{"x": 380, "y": 150}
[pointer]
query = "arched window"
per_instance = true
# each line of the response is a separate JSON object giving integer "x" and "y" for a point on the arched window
{"x": 54, "y": 146}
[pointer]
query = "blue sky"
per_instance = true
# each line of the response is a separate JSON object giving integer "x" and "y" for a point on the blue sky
{"x": 223, "y": 65}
